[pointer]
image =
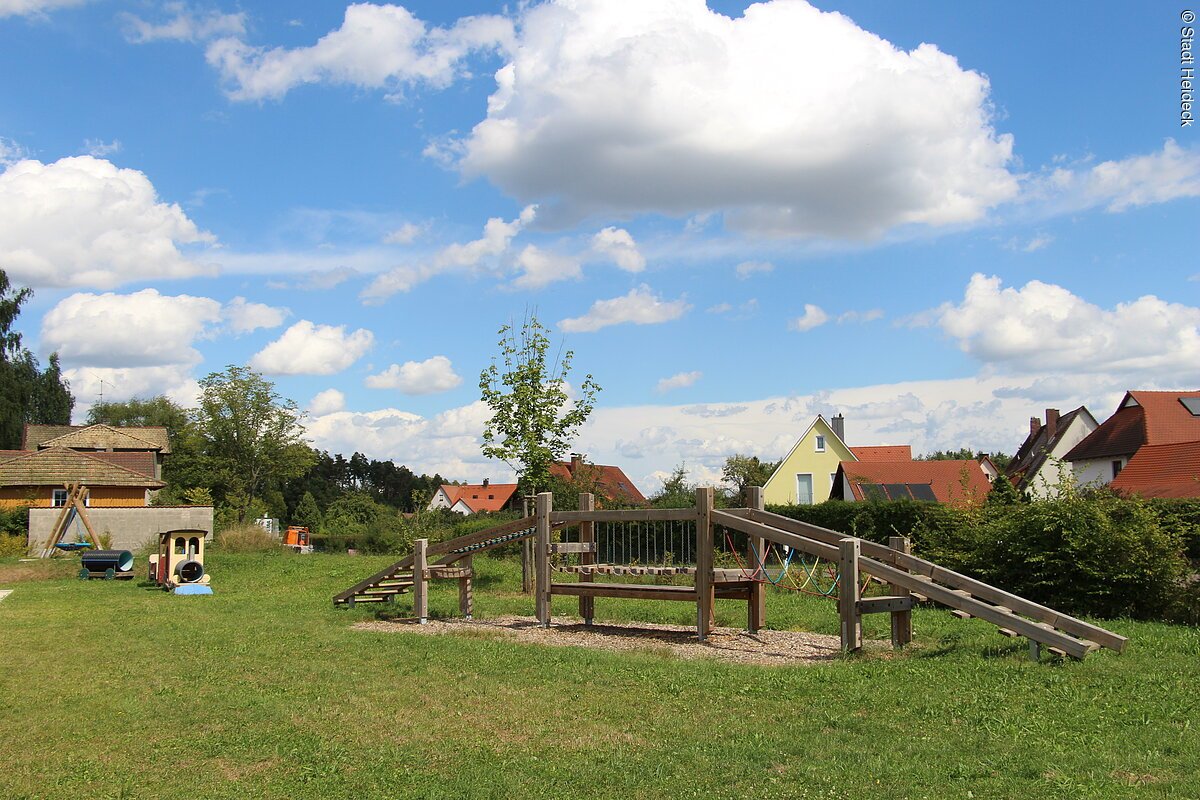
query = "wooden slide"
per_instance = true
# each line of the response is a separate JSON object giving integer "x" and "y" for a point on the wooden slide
{"x": 1015, "y": 616}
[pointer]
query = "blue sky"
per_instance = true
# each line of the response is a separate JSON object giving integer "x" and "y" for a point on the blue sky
{"x": 936, "y": 218}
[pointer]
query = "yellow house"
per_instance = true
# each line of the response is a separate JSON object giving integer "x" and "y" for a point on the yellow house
{"x": 806, "y": 474}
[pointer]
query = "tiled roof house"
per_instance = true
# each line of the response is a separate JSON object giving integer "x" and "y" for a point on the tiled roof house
{"x": 1142, "y": 419}
{"x": 952, "y": 482}
{"x": 1036, "y": 466}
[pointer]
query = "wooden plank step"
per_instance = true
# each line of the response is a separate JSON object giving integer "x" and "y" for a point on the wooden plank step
{"x": 960, "y": 614}
{"x": 882, "y": 605}
{"x": 1010, "y": 633}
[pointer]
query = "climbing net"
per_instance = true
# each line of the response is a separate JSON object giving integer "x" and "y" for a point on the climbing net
{"x": 816, "y": 576}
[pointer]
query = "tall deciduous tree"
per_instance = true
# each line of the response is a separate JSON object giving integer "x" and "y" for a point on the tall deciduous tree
{"x": 27, "y": 393}
{"x": 252, "y": 436}
{"x": 742, "y": 471}
{"x": 533, "y": 420}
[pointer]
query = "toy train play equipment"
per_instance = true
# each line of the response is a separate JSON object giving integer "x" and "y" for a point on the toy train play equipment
{"x": 179, "y": 563}
{"x": 106, "y": 564}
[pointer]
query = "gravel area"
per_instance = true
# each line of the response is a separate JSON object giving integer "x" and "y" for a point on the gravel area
{"x": 726, "y": 644}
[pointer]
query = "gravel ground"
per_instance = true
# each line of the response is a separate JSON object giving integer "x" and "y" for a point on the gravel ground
{"x": 726, "y": 644}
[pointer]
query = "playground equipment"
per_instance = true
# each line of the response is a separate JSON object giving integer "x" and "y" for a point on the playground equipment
{"x": 179, "y": 563}
{"x": 683, "y": 542}
{"x": 298, "y": 538}
{"x": 107, "y": 564}
{"x": 75, "y": 508}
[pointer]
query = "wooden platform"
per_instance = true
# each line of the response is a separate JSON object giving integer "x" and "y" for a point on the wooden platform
{"x": 634, "y": 591}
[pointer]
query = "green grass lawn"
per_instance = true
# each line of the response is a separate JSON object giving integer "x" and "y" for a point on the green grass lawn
{"x": 115, "y": 689}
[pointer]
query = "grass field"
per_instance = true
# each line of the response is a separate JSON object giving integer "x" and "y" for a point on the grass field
{"x": 117, "y": 690}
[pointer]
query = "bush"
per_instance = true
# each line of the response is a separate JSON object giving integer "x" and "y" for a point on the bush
{"x": 14, "y": 521}
{"x": 246, "y": 538}
{"x": 1098, "y": 554}
{"x": 12, "y": 546}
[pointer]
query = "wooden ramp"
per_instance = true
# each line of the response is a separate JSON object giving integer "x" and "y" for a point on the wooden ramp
{"x": 397, "y": 578}
{"x": 1015, "y": 616}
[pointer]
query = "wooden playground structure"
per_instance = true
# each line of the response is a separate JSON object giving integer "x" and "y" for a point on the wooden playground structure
{"x": 688, "y": 542}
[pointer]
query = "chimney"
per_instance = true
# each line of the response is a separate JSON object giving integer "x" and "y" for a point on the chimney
{"x": 838, "y": 424}
{"x": 576, "y": 462}
{"x": 1051, "y": 422}
{"x": 1035, "y": 425}
{"x": 485, "y": 482}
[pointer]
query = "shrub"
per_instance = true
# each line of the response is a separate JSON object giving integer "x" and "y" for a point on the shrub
{"x": 1102, "y": 555}
{"x": 245, "y": 538}
{"x": 12, "y": 545}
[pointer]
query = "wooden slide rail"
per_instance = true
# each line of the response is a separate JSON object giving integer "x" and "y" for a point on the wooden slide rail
{"x": 398, "y": 577}
{"x": 1072, "y": 636}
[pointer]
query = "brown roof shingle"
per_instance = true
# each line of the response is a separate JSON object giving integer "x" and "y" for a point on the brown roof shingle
{"x": 884, "y": 452}
{"x": 478, "y": 497}
{"x": 954, "y": 482}
{"x": 612, "y": 481}
{"x": 58, "y": 465}
{"x": 97, "y": 437}
{"x": 1152, "y": 418}
{"x": 1162, "y": 470}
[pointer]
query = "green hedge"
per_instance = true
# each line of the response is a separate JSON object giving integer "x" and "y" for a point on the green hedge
{"x": 1099, "y": 555}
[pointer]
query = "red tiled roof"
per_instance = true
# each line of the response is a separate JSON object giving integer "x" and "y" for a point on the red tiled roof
{"x": 478, "y": 497}
{"x": 1162, "y": 470}
{"x": 610, "y": 481}
{"x": 1157, "y": 418}
{"x": 944, "y": 477}
{"x": 1037, "y": 447}
{"x": 884, "y": 452}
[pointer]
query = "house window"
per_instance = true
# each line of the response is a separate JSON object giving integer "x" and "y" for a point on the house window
{"x": 804, "y": 489}
{"x": 820, "y": 443}
{"x": 60, "y": 498}
{"x": 832, "y": 479}
{"x": 1116, "y": 465}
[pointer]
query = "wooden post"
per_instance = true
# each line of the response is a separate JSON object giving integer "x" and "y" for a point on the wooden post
{"x": 705, "y": 599}
{"x": 848, "y": 595}
{"x": 541, "y": 558}
{"x": 421, "y": 581}
{"x": 756, "y": 613}
{"x": 587, "y": 535}
{"x": 901, "y": 620}
{"x": 526, "y": 552}
{"x": 466, "y": 596}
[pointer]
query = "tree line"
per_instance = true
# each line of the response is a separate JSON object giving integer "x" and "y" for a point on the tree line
{"x": 28, "y": 393}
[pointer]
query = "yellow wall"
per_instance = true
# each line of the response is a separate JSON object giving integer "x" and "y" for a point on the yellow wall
{"x": 99, "y": 496}
{"x": 781, "y": 488}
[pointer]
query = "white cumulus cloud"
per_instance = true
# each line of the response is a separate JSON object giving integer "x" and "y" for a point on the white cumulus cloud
{"x": 309, "y": 349}
{"x": 327, "y": 402}
{"x": 1119, "y": 185}
{"x": 417, "y": 377}
{"x": 618, "y": 246}
{"x": 678, "y": 381}
{"x": 541, "y": 268}
{"x": 244, "y": 316}
{"x": 1045, "y": 327}
{"x": 31, "y": 8}
{"x": 641, "y": 307}
{"x": 142, "y": 329}
{"x": 813, "y": 317}
{"x": 747, "y": 268}
{"x": 786, "y": 119}
{"x": 376, "y": 47}
{"x": 84, "y": 222}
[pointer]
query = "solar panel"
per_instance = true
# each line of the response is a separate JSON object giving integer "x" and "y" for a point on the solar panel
{"x": 897, "y": 491}
{"x": 1192, "y": 404}
{"x": 922, "y": 491}
{"x": 872, "y": 491}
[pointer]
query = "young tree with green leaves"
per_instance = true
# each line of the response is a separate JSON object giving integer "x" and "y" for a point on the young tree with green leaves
{"x": 533, "y": 420}
{"x": 252, "y": 437}
{"x": 742, "y": 471}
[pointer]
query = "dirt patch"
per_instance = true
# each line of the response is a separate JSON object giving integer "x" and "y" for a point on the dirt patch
{"x": 726, "y": 644}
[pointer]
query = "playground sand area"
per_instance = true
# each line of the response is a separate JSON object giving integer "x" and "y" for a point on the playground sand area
{"x": 679, "y": 641}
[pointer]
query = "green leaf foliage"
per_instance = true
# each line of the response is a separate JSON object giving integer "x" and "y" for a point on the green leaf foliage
{"x": 533, "y": 420}
{"x": 28, "y": 394}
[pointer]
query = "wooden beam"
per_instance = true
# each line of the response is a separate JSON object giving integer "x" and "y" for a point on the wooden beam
{"x": 883, "y": 605}
{"x": 756, "y": 610}
{"x": 919, "y": 566}
{"x": 705, "y": 601}
{"x": 632, "y": 591}
{"x": 466, "y": 595}
{"x": 848, "y": 613}
{"x": 541, "y": 558}
{"x": 574, "y": 547}
{"x": 420, "y": 581}
{"x": 587, "y": 557}
{"x": 626, "y": 515}
{"x": 902, "y": 618}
